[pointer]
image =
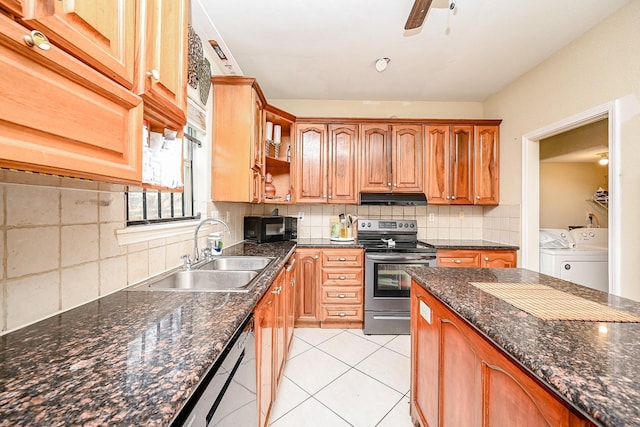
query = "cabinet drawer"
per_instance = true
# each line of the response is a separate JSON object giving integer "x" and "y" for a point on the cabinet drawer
{"x": 341, "y": 312}
{"x": 342, "y": 277}
{"x": 341, "y": 295}
{"x": 341, "y": 258}
{"x": 458, "y": 259}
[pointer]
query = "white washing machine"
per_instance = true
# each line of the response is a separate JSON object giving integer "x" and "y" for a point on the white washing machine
{"x": 580, "y": 256}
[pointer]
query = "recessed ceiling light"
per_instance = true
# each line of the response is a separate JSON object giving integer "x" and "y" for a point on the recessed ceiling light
{"x": 381, "y": 64}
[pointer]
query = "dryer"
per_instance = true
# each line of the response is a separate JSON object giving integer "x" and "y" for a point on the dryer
{"x": 580, "y": 256}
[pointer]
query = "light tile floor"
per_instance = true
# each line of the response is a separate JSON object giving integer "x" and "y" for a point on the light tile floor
{"x": 341, "y": 377}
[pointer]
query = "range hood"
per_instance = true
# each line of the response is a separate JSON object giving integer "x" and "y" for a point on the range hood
{"x": 393, "y": 199}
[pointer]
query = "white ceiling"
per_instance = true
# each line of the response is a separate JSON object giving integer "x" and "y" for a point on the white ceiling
{"x": 326, "y": 49}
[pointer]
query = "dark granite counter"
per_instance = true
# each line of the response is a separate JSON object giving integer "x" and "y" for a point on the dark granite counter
{"x": 468, "y": 244}
{"x": 594, "y": 367}
{"x": 130, "y": 358}
{"x": 326, "y": 243}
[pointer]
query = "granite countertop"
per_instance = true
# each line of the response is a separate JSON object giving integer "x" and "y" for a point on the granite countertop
{"x": 130, "y": 358}
{"x": 327, "y": 243}
{"x": 594, "y": 369}
{"x": 468, "y": 244}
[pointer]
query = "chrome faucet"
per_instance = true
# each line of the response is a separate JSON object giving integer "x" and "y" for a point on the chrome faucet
{"x": 195, "y": 236}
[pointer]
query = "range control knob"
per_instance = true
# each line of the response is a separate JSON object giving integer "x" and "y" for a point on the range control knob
{"x": 412, "y": 225}
{"x": 362, "y": 224}
{"x": 368, "y": 224}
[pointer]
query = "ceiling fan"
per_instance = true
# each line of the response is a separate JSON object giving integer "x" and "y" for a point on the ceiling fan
{"x": 417, "y": 14}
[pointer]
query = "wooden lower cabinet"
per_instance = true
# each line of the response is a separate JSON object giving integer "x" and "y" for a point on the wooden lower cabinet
{"x": 477, "y": 258}
{"x": 459, "y": 378}
{"x": 309, "y": 274}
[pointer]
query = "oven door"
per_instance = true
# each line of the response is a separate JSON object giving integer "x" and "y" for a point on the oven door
{"x": 387, "y": 285}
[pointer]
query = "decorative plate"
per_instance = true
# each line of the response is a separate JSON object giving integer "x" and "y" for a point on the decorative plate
{"x": 194, "y": 58}
{"x": 204, "y": 79}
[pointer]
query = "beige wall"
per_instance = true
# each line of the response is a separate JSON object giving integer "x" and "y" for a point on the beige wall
{"x": 600, "y": 67}
{"x": 564, "y": 191}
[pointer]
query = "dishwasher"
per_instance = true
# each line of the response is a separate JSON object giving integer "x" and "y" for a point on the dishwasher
{"x": 227, "y": 394}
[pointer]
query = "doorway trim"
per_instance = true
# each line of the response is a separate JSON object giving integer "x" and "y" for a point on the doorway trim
{"x": 530, "y": 218}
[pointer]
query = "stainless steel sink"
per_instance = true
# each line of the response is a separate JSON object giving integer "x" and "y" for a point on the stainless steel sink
{"x": 236, "y": 263}
{"x": 203, "y": 281}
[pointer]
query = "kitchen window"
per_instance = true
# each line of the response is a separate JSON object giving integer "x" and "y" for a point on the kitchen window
{"x": 152, "y": 207}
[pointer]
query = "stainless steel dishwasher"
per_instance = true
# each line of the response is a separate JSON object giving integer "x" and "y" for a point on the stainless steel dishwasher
{"x": 227, "y": 394}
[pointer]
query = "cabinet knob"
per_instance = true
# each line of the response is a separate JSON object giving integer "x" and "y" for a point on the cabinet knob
{"x": 342, "y": 314}
{"x": 388, "y": 184}
{"x": 341, "y": 296}
{"x": 457, "y": 261}
{"x": 324, "y": 195}
{"x": 329, "y": 195}
{"x": 37, "y": 39}
{"x": 395, "y": 184}
{"x": 478, "y": 197}
{"x": 154, "y": 74}
{"x": 448, "y": 197}
{"x": 486, "y": 258}
{"x": 453, "y": 197}
{"x": 316, "y": 257}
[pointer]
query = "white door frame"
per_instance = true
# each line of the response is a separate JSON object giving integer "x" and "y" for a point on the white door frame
{"x": 530, "y": 220}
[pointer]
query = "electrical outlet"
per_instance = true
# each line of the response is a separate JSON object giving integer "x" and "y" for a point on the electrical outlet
{"x": 432, "y": 217}
{"x": 300, "y": 216}
{"x": 461, "y": 214}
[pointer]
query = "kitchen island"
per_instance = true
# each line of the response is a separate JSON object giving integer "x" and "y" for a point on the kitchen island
{"x": 587, "y": 369}
{"x": 129, "y": 358}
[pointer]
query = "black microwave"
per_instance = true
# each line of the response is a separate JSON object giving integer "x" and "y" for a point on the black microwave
{"x": 263, "y": 229}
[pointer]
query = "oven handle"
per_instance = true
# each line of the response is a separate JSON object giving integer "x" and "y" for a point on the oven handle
{"x": 400, "y": 257}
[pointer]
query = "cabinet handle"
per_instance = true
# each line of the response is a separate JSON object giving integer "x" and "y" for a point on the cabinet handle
{"x": 154, "y": 74}
{"x": 342, "y": 277}
{"x": 457, "y": 261}
{"x": 316, "y": 257}
{"x": 37, "y": 39}
{"x": 341, "y": 296}
{"x": 478, "y": 197}
{"x": 388, "y": 184}
{"x": 453, "y": 197}
{"x": 329, "y": 195}
{"x": 395, "y": 184}
{"x": 448, "y": 197}
{"x": 291, "y": 264}
{"x": 293, "y": 283}
{"x": 342, "y": 314}
{"x": 342, "y": 259}
{"x": 486, "y": 258}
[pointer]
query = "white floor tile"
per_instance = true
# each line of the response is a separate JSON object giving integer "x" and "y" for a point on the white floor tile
{"x": 400, "y": 344}
{"x": 311, "y": 413}
{"x": 288, "y": 396}
{"x": 314, "y": 369}
{"x": 389, "y": 367}
{"x": 399, "y": 415}
{"x": 297, "y": 347}
{"x": 349, "y": 348}
{"x": 315, "y": 336}
{"x": 378, "y": 339}
{"x": 359, "y": 399}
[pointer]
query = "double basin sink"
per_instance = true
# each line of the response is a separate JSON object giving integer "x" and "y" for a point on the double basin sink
{"x": 223, "y": 274}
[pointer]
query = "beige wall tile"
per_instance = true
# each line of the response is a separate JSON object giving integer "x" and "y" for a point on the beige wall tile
{"x": 79, "y": 244}
{"x": 109, "y": 246}
{"x": 32, "y": 298}
{"x": 137, "y": 247}
{"x": 2, "y": 306}
{"x": 79, "y": 284}
{"x": 113, "y": 274}
{"x": 112, "y": 207}
{"x": 175, "y": 250}
{"x": 2, "y": 205}
{"x": 2, "y": 266}
{"x": 137, "y": 266}
{"x": 157, "y": 243}
{"x": 79, "y": 207}
{"x": 32, "y": 250}
{"x": 27, "y": 205}
{"x": 157, "y": 262}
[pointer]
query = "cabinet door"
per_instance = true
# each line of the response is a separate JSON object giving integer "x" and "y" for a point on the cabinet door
{"x": 342, "y": 173}
{"x": 264, "y": 331}
{"x": 258, "y": 165}
{"x": 92, "y": 130}
{"x": 279, "y": 290}
{"x": 309, "y": 276}
{"x": 375, "y": 158}
{"x": 311, "y": 168}
{"x": 424, "y": 360}
{"x": 100, "y": 34}
{"x": 437, "y": 165}
{"x": 162, "y": 67}
{"x": 461, "y": 158}
{"x": 498, "y": 259}
{"x": 407, "y": 158}
{"x": 14, "y": 7}
{"x": 486, "y": 169}
{"x": 290, "y": 296}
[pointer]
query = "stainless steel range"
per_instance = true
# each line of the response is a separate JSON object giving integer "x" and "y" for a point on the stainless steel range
{"x": 390, "y": 245}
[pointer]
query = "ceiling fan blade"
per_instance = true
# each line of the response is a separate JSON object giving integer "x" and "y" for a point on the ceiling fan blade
{"x": 417, "y": 14}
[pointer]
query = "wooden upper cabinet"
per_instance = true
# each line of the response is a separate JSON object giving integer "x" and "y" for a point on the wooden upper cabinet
{"x": 311, "y": 163}
{"x": 100, "y": 34}
{"x": 161, "y": 68}
{"x": 375, "y": 158}
{"x": 257, "y": 150}
{"x": 486, "y": 165}
{"x": 407, "y": 158}
{"x": 14, "y": 7}
{"x": 63, "y": 117}
{"x": 342, "y": 173}
{"x": 449, "y": 164}
{"x": 237, "y": 118}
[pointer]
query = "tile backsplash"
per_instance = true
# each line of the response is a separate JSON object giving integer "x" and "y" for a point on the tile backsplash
{"x": 59, "y": 247}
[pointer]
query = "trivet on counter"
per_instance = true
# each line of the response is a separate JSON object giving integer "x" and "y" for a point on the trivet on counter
{"x": 548, "y": 303}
